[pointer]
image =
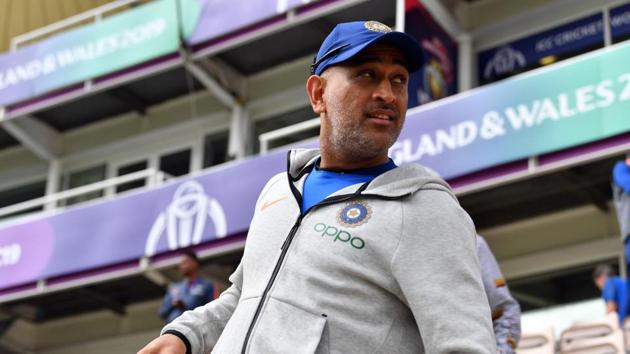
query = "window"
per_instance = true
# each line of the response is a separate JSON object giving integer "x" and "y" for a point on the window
{"x": 215, "y": 149}
{"x": 130, "y": 168}
{"x": 21, "y": 194}
{"x": 284, "y": 120}
{"x": 556, "y": 288}
{"x": 176, "y": 164}
{"x": 82, "y": 178}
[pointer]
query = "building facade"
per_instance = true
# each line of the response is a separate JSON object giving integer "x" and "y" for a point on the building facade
{"x": 153, "y": 127}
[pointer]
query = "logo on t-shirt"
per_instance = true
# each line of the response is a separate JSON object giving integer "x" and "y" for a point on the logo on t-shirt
{"x": 354, "y": 214}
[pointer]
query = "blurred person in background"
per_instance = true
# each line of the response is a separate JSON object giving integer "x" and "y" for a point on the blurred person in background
{"x": 188, "y": 294}
{"x": 348, "y": 252}
{"x": 614, "y": 291}
{"x": 621, "y": 198}
{"x": 506, "y": 312}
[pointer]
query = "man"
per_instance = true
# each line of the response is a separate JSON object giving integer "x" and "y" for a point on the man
{"x": 506, "y": 312}
{"x": 347, "y": 253}
{"x": 188, "y": 294}
{"x": 614, "y": 291}
{"x": 621, "y": 198}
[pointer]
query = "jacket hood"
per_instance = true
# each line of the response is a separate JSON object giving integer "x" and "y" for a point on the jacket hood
{"x": 403, "y": 180}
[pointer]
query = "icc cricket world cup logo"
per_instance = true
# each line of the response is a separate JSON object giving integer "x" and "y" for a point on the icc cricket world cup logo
{"x": 184, "y": 219}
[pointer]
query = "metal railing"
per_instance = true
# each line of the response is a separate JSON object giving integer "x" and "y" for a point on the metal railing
{"x": 151, "y": 177}
{"x": 265, "y": 139}
{"x": 95, "y": 14}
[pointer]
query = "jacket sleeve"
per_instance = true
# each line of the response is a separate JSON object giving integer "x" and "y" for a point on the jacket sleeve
{"x": 436, "y": 267}
{"x": 202, "y": 326}
{"x": 506, "y": 311}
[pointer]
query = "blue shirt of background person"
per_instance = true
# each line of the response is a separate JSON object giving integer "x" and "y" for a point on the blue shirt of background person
{"x": 621, "y": 175}
{"x": 188, "y": 294}
{"x": 614, "y": 291}
{"x": 322, "y": 183}
{"x": 621, "y": 200}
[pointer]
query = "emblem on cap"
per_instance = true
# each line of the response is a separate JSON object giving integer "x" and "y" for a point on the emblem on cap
{"x": 376, "y": 26}
{"x": 354, "y": 214}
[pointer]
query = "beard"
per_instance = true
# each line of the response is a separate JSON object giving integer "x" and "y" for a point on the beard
{"x": 347, "y": 139}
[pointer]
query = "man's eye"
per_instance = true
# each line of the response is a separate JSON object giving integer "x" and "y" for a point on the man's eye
{"x": 367, "y": 74}
{"x": 400, "y": 80}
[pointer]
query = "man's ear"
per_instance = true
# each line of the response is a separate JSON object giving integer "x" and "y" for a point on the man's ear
{"x": 315, "y": 90}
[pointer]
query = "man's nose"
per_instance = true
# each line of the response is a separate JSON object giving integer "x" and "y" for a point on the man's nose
{"x": 384, "y": 92}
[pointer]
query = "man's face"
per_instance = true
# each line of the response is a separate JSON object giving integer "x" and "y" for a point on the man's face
{"x": 187, "y": 265}
{"x": 365, "y": 102}
{"x": 600, "y": 281}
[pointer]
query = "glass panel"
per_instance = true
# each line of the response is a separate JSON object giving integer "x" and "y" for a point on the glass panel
{"x": 21, "y": 194}
{"x": 130, "y": 168}
{"x": 561, "y": 287}
{"x": 284, "y": 120}
{"x": 176, "y": 163}
{"x": 82, "y": 178}
{"x": 215, "y": 149}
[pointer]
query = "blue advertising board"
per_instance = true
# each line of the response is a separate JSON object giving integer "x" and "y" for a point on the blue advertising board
{"x": 620, "y": 23}
{"x": 514, "y": 57}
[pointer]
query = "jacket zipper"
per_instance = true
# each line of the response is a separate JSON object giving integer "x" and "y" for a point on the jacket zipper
{"x": 285, "y": 248}
{"x": 276, "y": 269}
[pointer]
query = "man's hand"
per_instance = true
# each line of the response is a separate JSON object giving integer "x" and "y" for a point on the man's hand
{"x": 611, "y": 307}
{"x": 165, "y": 344}
{"x": 179, "y": 304}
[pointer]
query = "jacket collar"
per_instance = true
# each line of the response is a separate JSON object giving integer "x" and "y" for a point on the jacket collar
{"x": 403, "y": 180}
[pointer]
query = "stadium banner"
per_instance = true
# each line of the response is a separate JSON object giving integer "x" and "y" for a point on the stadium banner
{"x": 577, "y": 101}
{"x": 438, "y": 76}
{"x": 141, "y": 223}
{"x": 620, "y": 23}
{"x": 130, "y": 38}
{"x": 115, "y": 43}
{"x": 514, "y": 57}
{"x": 221, "y": 17}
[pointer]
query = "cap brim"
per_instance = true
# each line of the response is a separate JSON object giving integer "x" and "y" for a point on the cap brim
{"x": 407, "y": 44}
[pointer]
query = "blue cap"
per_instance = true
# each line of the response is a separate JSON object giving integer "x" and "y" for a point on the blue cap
{"x": 348, "y": 39}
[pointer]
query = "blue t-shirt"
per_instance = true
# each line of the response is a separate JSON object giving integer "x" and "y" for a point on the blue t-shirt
{"x": 321, "y": 183}
{"x": 192, "y": 294}
{"x": 616, "y": 289}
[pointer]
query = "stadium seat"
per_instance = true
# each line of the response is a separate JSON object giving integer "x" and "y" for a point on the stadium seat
{"x": 593, "y": 337}
{"x": 537, "y": 342}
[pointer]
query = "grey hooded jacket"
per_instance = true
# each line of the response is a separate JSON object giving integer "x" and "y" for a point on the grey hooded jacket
{"x": 389, "y": 266}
